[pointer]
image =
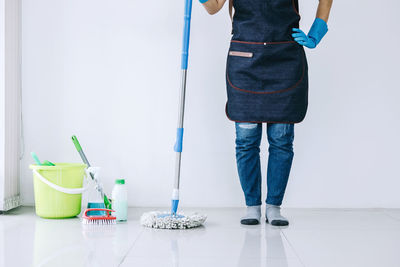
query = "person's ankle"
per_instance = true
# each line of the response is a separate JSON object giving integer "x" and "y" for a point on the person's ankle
{"x": 253, "y": 215}
{"x": 274, "y": 217}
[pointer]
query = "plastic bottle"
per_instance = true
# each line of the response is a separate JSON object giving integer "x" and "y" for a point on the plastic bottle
{"x": 95, "y": 199}
{"x": 120, "y": 200}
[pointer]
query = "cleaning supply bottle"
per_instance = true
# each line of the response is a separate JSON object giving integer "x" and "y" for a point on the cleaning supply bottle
{"x": 95, "y": 196}
{"x": 120, "y": 200}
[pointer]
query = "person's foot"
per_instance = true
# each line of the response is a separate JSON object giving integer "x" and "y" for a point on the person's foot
{"x": 274, "y": 217}
{"x": 252, "y": 217}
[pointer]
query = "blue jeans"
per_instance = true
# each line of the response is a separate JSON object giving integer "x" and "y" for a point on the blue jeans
{"x": 248, "y": 138}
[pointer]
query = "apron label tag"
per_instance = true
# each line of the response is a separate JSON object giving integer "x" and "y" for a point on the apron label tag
{"x": 240, "y": 54}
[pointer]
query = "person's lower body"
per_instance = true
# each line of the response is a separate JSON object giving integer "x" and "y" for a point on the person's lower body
{"x": 248, "y": 139}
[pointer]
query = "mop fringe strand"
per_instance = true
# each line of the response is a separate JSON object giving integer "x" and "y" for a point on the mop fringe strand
{"x": 164, "y": 220}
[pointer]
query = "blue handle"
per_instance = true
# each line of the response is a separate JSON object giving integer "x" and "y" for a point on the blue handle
{"x": 179, "y": 140}
{"x": 174, "y": 206}
{"x": 186, "y": 34}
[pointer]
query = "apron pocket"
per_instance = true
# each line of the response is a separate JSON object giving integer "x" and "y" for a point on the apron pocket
{"x": 271, "y": 68}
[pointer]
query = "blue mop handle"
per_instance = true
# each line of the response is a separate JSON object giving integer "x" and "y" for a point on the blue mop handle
{"x": 179, "y": 140}
{"x": 179, "y": 131}
{"x": 184, "y": 66}
{"x": 186, "y": 34}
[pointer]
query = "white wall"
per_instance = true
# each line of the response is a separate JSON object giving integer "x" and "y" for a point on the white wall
{"x": 108, "y": 71}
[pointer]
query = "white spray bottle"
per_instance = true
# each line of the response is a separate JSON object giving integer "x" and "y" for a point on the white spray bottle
{"x": 96, "y": 200}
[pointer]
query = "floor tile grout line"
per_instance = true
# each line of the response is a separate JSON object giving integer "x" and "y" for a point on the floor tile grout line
{"x": 131, "y": 247}
{"x": 294, "y": 250}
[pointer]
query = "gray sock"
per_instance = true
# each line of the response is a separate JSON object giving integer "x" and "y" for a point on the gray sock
{"x": 252, "y": 217}
{"x": 274, "y": 217}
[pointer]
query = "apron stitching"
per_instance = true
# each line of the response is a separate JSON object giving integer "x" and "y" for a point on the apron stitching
{"x": 262, "y": 43}
{"x": 279, "y": 91}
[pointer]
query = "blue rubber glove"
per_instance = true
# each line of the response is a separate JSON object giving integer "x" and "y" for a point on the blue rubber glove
{"x": 315, "y": 35}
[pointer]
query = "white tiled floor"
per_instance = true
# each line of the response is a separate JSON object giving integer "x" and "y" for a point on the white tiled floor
{"x": 315, "y": 238}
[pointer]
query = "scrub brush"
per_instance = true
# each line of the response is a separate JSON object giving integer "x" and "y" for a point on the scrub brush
{"x": 99, "y": 220}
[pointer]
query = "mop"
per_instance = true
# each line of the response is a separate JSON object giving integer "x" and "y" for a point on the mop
{"x": 172, "y": 220}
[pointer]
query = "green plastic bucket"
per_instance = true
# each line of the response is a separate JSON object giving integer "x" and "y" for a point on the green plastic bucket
{"x": 58, "y": 189}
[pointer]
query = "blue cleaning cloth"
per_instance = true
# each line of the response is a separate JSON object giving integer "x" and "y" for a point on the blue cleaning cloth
{"x": 315, "y": 35}
{"x": 203, "y": 1}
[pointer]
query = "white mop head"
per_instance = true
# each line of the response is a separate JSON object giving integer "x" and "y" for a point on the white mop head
{"x": 155, "y": 219}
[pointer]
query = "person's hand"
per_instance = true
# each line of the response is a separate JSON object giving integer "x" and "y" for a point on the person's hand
{"x": 301, "y": 38}
{"x": 317, "y": 32}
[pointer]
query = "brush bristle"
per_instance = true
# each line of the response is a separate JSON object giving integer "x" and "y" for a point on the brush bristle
{"x": 99, "y": 222}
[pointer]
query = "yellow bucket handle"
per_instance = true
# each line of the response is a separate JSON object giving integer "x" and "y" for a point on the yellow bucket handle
{"x": 71, "y": 191}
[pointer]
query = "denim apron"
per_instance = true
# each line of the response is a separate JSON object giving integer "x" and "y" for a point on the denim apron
{"x": 266, "y": 72}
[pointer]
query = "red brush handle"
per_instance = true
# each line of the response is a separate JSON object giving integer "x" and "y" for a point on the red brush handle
{"x": 107, "y": 210}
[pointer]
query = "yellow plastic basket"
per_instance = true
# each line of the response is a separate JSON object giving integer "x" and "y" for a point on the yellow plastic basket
{"x": 58, "y": 189}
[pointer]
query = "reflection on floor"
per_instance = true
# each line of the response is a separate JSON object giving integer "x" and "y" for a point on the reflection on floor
{"x": 315, "y": 237}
